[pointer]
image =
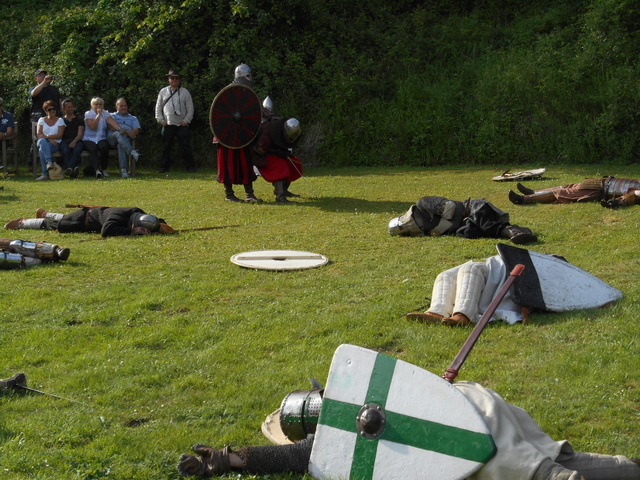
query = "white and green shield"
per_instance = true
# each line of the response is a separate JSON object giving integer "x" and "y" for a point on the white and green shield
{"x": 426, "y": 428}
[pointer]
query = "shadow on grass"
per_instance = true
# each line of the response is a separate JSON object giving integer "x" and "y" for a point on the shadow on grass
{"x": 347, "y": 204}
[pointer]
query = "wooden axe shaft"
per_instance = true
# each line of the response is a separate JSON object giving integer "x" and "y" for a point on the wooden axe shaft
{"x": 452, "y": 371}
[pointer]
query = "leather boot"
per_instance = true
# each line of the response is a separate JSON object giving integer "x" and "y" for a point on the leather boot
{"x": 41, "y": 213}
{"x": 14, "y": 224}
{"x": 281, "y": 196}
{"x": 426, "y": 317}
{"x": 287, "y": 192}
{"x": 456, "y": 320}
{"x": 626, "y": 200}
{"x": 229, "y": 196}
{"x": 525, "y": 190}
{"x": 542, "y": 196}
{"x": 518, "y": 235}
{"x": 249, "y": 195}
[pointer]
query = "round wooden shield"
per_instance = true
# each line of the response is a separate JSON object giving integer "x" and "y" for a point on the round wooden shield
{"x": 235, "y": 116}
{"x": 279, "y": 260}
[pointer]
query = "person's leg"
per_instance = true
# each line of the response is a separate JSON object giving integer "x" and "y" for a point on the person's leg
{"x": 229, "y": 195}
{"x": 549, "y": 470}
{"x": 94, "y": 157}
{"x": 185, "y": 148}
{"x": 470, "y": 282}
{"x": 443, "y": 293}
{"x": 255, "y": 460}
{"x": 123, "y": 144}
{"x": 45, "y": 149}
{"x": 76, "y": 159}
{"x": 250, "y": 196}
{"x": 541, "y": 196}
{"x": 103, "y": 147}
{"x": 594, "y": 466}
{"x": 169, "y": 133}
{"x": 65, "y": 150}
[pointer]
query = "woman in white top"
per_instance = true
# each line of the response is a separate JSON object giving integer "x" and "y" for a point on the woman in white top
{"x": 49, "y": 133}
{"x": 95, "y": 136}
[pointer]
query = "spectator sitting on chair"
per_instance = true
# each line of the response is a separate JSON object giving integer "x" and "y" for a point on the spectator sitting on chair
{"x": 95, "y": 137}
{"x": 6, "y": 123}
{"x": 71, "y": 145}
{"x": 129, "y": 129}
{"x": 42, "y": 92}
{"x": 49, "y": 133}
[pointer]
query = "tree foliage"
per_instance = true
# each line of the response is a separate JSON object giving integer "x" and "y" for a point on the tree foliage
{"x": 373, "y": 82}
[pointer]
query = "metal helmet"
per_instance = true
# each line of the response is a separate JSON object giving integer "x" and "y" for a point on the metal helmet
{"x": 146, "y": 220}
{"x": 268, "y": 108}
{"x": 299, "y": 413}
{"x": 292, "y": 130}
{"x": 242, "y": 74}
{"x": 405, "y": 225}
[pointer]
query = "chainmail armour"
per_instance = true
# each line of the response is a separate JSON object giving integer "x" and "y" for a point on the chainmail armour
{"x": 277, "y": 459}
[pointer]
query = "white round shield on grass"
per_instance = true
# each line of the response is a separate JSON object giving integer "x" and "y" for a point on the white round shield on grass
{"x": 279, "y": 260}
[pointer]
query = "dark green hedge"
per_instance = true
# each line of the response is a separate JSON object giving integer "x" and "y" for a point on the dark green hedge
{"x": 373, "y": 82}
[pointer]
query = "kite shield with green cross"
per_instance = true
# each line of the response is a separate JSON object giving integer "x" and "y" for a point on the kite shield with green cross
{"x": 383, "y": 418}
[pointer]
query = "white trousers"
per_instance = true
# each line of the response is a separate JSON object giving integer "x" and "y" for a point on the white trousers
{"x": 458, "y": 290}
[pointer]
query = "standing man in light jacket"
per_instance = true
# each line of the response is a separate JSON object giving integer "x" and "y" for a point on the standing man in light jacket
{"x": 174, "y": 111}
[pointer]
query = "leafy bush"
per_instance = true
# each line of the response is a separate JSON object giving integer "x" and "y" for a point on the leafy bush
{"x": 375, "y": 82}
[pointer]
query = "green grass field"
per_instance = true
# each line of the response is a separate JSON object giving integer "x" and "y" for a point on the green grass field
{"x": 166, "y": 343}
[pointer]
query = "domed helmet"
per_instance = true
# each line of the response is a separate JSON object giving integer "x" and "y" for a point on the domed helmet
{"x": 292, "y": 130}
{"x": 146, "y": 220}
{"x": 243, "y": 75}
{"x": 268, "y": 108}
{"x": 405, "y": 225}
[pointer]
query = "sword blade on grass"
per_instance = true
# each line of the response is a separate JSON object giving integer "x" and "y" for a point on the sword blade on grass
{"x": 29, "y": 389}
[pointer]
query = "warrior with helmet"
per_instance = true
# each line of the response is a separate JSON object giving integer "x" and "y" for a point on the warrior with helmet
{"x": 234, "y": 164}
{"x": 108, "y": 221}
{"x": 522, "y": 449}
{"x": 475, "y": 218}
{"x": 611, "y": 192}
{"x": 272, "y": 154}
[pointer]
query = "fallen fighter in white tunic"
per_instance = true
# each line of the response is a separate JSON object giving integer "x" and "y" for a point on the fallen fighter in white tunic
{"x": 524, "y": 451}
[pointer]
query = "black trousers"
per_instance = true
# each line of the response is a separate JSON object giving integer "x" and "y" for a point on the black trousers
{"x": 99, "y": 154}
{"x": 171, "y": 132}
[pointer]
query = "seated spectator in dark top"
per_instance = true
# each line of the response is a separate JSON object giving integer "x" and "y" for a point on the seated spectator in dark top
{"x": 71, "y": 145}
{"x": 6, "y": 123}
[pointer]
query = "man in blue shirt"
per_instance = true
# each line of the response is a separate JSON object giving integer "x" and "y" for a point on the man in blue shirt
{"x": 121, "y": 138}
{"x": 6, "y": 123}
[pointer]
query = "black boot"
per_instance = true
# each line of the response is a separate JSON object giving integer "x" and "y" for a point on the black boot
{"x": 249, "y": 195}
{"x": 278, "y": 189}
{"x": 525, "y": 190}
{"x": 518, "y": 235}
{"x": 229, "y": 196}
{"x": 287, "y": 192}
{"x": 515, "y": 198}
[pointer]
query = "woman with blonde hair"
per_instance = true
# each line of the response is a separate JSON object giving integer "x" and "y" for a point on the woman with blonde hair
{"x": 95, "y": 137}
